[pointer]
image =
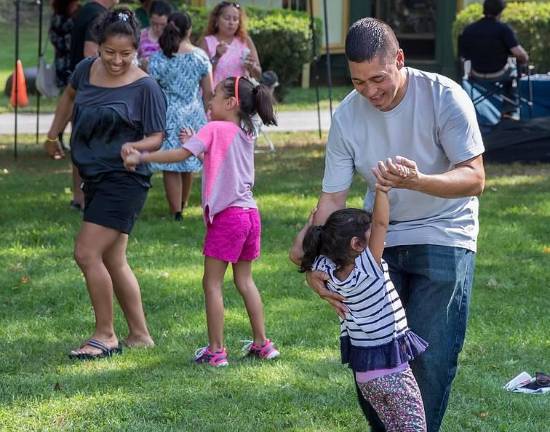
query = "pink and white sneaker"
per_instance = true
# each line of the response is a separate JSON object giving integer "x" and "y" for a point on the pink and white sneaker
{"x": 266, "y": 351}
{"x": 215, "y": 359}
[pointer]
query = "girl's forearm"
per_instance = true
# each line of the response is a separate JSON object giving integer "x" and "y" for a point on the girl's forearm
{"x": 381, "y": 211}
{"x": 166, "y": 156}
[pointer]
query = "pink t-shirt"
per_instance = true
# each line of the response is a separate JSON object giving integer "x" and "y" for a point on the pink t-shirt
{"x": 228, "y": 171}
{"x": 231, "y": 63}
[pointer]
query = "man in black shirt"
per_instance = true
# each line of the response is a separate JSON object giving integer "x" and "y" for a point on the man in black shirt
{"x": 488, "y": 43}
{"x": 83, "y": 43}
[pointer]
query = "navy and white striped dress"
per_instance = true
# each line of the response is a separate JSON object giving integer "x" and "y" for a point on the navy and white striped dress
{"x": 374, "y": 335}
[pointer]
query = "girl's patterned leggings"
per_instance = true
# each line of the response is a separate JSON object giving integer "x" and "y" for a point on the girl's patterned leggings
{"x": 397, "y": 401}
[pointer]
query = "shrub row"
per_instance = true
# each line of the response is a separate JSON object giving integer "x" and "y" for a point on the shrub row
{"x": 530, "y": 20}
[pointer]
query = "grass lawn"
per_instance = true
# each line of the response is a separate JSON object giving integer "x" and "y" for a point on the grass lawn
{"x": 44, "y": 312}
{"x": 296, "y": 99}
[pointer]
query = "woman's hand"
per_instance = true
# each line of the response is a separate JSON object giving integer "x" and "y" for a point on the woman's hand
{"x": 221, "y": 49}
{"x": 316, "y": 280}
{"x": 126, "y": 149}
{"x": 132, "y": 159}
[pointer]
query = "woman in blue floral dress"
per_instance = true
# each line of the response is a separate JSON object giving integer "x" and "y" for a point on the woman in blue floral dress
{"x": 185, "y": 75}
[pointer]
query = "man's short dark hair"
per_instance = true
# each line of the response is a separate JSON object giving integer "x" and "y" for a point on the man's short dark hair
{"x": 493, "y": 7}
{"x": 370, "y": 37}
{"x": 160, "y": 8}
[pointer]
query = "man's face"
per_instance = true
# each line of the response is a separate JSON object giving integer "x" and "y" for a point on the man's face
{"x": 380, "y": 80}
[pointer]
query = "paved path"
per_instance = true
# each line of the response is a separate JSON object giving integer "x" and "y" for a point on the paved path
{"x": 288, "y": 121}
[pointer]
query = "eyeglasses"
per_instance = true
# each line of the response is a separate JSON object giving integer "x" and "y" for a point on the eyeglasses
{"x": 228, "y": 3}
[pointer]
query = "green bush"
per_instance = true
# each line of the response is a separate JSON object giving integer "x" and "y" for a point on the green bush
{"x": 530, "y": 20}
{"x": 282, "y": 38}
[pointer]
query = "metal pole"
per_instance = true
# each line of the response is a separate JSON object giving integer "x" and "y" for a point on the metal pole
{"x": 15, "y": 81}
{"x": 329, "y": 71}
{"x": 40, "y": 54}
{"x": 315, "y": 64}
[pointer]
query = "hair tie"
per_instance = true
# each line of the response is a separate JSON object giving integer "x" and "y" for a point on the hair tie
{"x": 237, "y": 89}
{"x": 122, "y": 16}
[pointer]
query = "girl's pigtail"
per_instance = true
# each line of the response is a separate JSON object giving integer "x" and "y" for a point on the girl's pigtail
{"x": 263, "y": 104}
{"x": 312, "y": 247}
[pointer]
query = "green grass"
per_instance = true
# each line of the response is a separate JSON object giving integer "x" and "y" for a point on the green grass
{"x": 44, "y": 312}
{"x": 297, "y": 98}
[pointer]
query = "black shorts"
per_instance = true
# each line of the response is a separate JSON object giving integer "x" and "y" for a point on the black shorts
{"x": 114, "y": 201}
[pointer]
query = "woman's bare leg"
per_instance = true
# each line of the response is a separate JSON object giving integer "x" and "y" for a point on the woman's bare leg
{"x": 127, "y": 291}
{"x": 173, "y": 190}
{"x": 91, "y": 243}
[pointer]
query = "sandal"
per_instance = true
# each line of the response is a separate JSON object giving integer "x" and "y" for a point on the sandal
{"x": 94, "y": 343}
{"x": 54, "y": 150}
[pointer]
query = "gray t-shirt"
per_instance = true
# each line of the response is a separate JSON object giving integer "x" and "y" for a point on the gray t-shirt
{"x": 435, "y": 125}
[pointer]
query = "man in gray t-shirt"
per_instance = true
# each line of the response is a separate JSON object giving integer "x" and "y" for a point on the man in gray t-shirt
{"x": 426, "y": 122}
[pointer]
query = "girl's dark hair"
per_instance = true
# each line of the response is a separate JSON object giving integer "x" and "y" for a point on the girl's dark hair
{"x": 212, "y": 26}
{"x": 179, "y": 24}
{"x": 118, "y": 22}
{"x": 160, "y": 8}
{"x": 334, "y": 237}
{"x": 252, "y": 99}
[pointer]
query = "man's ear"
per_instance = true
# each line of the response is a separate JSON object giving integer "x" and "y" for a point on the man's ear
{"x": 400, "y": 59}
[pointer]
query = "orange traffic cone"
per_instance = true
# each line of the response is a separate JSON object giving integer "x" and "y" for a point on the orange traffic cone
{"x": 22, "y": 99}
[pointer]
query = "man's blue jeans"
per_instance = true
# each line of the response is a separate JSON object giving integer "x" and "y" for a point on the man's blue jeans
{"x": 435, "y": 284}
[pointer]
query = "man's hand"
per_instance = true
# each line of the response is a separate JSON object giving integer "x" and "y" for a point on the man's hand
{"x": 316, "y": 280}
{"x": 399, "y": 173}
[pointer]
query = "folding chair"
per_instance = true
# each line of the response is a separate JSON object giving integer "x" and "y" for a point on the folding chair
{"x": 484, "y": 87}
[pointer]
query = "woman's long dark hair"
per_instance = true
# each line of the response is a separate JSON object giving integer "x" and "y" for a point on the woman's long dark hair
{"x": 118, "y": 22}
{"x": 253, "y": 99}
{"x": 177, "y": 29}
{"x": 333, "y": 239}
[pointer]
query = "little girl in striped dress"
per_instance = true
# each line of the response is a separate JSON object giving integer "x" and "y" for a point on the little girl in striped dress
{"x": 375, "y": 340}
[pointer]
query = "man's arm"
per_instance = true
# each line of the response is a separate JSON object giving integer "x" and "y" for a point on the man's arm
{"x": 520, "y": 54}
{"x": 91, "y": 49}
{"x": 328, "y": 204}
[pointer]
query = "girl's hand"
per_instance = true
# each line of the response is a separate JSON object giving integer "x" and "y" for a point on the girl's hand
{"x": 185, "y": 134}
{"x": 132, "y": 159}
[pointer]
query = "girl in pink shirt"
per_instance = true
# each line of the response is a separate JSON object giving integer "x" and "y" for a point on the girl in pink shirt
{"x": 233, "y": 225}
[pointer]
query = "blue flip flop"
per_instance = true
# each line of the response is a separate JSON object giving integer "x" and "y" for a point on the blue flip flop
{"x": 105, "y": 351}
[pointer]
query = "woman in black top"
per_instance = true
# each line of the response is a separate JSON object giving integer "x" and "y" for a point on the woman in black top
{"x": 115, "y": 107}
